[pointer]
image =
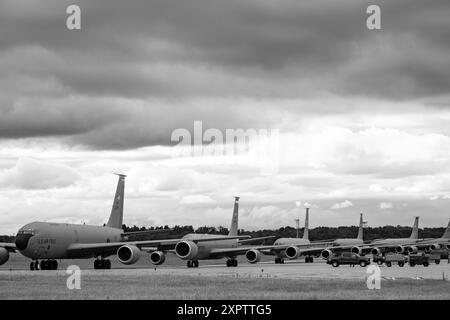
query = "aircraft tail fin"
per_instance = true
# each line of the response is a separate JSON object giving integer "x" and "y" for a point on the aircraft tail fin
{"x": 446, "y": 234}
{"x": 361, "y": 227}
{"x": 306, "y": 231}
{"x": 116, "y": 217}
{"x": 415, "y": 230}
{"x": 234, "y": 219}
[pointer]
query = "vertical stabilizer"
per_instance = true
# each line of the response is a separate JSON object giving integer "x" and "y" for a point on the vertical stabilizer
{"x": 446, "y": 234}
{"x": 234, "y": 219}
{"x": 361, "y": 227}
{"x": 116, "y": 217}
{"x": 415, "y": 230}
{"x": 306, "y": 231}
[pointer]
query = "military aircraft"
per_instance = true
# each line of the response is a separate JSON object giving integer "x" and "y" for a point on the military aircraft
{"x": 210, "y": 247}
{"x": 282, "y": 244}
{"x": 431, "y": 244}
{"x": 49, "y": 242}
{"x": 377, "y": 247}
{"x": 323, "y": 249}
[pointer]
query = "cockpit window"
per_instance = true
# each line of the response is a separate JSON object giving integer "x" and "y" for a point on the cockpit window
{"x": 26, "y": 231}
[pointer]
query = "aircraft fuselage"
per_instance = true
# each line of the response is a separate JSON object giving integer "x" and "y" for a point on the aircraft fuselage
{"x": 42, "y": 240}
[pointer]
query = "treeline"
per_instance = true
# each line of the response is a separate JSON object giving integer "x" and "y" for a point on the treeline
{"x": 319, "y": 233}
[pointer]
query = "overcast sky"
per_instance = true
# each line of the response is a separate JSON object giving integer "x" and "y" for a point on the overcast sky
{"x": 363, "y": 115}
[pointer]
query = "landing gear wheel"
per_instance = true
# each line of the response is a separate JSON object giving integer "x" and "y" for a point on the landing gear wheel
{"x": 335, "y": 264}
{"x": 401, "y": 264}
{"x": 426, "y": 264}
{"x": 189, "y": 264}
{"x": 380, "y": 262}
{"x": 36, "y": 265}
{"x": 388, "y": 264}
{"x": 281, "y": 260}
{"x": 437, "y": 261}
{"x": 363, "y": 263}
{"x": 32, "y": 266}
{"x": 43, "y": 265}
{"x": 195, "y": 264}
{"x": 108, "y": 264}
{"x": 229, "y": 263}
{"x": 277, "y": 260}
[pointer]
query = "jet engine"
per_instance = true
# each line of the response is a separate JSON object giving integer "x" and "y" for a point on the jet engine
{"x": 186, "y": 250}
{"x": 292, "y": 252}
{"x": 356, "y": 250}
{"x": 128, "y": 254}
{"x": 435, "y": 246}
{"x": 253, "y": 256}
{"x": 413, "y": 249}
{"x": 157, "y": 257}
{"x": 326, "y": 253}
{"x": 4, "y": 255}
{"x": 399, "y": 249}
{"x": 376, "y": 251}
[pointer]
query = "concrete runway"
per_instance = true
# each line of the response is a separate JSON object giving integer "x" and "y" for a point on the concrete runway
{"x": 297, "y": 269}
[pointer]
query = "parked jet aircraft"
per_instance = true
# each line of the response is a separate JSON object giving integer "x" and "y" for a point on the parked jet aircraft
{"x": 377, "y": 247}
{"x": 294, "y": 243}
{"x": 294, "y": 251}
{"x": 430, "y": 244}
{"x": 211, "y": 247}
{"x": 51, "y": 241}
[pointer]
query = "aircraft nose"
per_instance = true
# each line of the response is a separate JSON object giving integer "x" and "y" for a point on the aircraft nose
{"x": 22, "y": 241}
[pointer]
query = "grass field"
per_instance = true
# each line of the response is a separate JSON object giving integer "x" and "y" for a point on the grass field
{"x": 104, "y": 286}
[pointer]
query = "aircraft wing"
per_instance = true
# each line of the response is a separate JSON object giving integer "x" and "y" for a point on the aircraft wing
{"x": 256, "y": 239}
{"x": 92, "y": 249}
{"x": 11, "y": 247}
{"x": 224, "y": 252}
{"x": 421, "y": 244}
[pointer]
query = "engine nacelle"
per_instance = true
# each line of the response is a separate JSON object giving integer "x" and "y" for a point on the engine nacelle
{"x": 376, "y": 251}
{"x": 157, "y": 257}
{"x": 292, "y": 252}
{"x": 253, "y": 256}
{"x": 186, "y": 250}
{"x": 326, "y": 253}
{"x": 128, "y": 254}
{"x": 435, "y": 246}
{"x": 356, "y": 250}
{"x": 4, "y": 255}
{"x": 400, "y": 249}
{"x": 413, "y": 249}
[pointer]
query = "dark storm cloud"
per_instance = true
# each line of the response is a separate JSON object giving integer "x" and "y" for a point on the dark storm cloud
{"x": 172, "y": 50}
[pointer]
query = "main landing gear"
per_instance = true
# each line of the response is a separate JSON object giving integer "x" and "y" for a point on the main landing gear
{"x": 279, "y": 260}
{"x": 192, "y": 264}
{"x": 309, "y": 259}
{"x": 232, "y": 263}
{"x": 102, "y": 264}
{"x": 44, "y": 265}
